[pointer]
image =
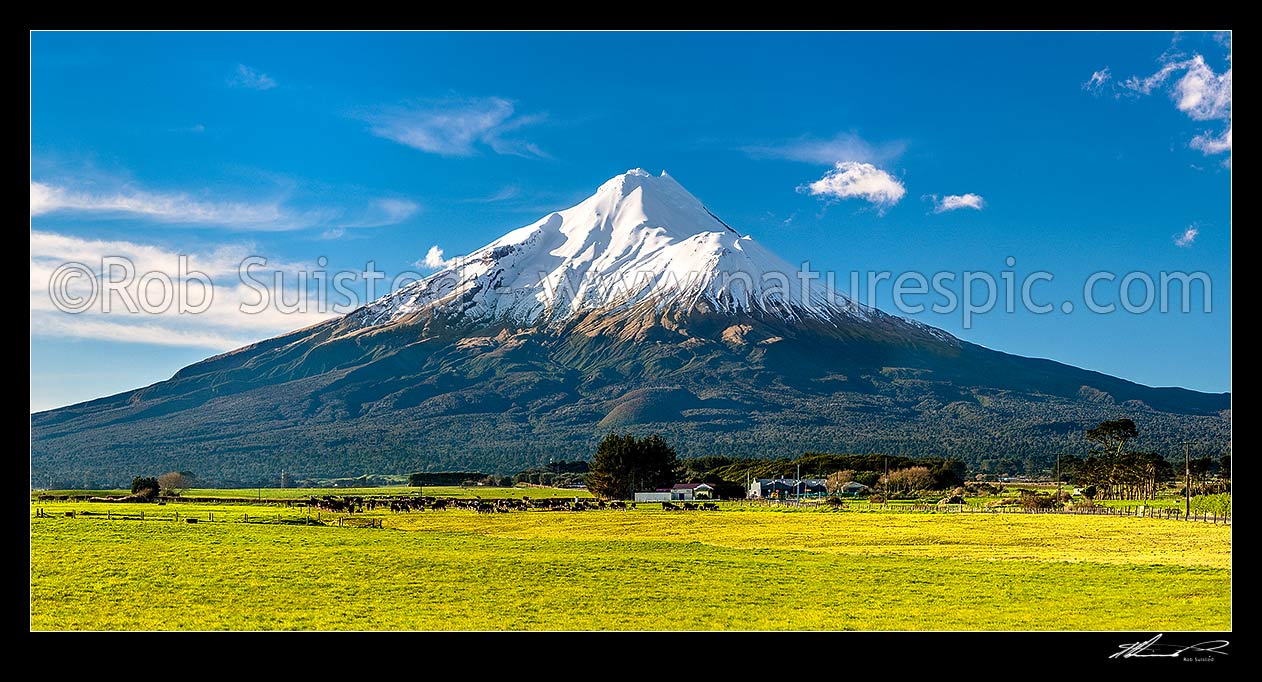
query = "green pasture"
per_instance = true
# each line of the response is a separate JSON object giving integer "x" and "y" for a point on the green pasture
{"x": 744, "y": 567}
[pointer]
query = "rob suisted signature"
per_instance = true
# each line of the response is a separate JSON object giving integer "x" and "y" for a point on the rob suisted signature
{"x": 1153, "y": 649}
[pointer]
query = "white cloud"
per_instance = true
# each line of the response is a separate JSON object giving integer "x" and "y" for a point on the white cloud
{"x": 1147, "y": 84}
{"x": 456, "y": 127}
{"x": 1098, "y": 80}
{"x": 384, "y": 212}
{"x": 842, "y": 147}
{"x": 855, "y": 180}
{"x": 505, "y": 193}
{"x": 1197, "y": 91}
{"x": 221, "y": 326}
{"x": 170, "y": 208}
{"x": 1187, "y": 237}
{"x": 246, "y": 77}
{"x": 1203, "y": 94}
{"x": 182, "y": 209}
{"x": 397, "y": 210}
{"x": 100, "y": 328}
{"x": 954, "y": 202}
{"x": 434, "y": 259}
{"x": 1211, "y": 143}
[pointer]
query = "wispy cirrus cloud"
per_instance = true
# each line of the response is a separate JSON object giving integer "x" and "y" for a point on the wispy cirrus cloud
{"x": 182, "y": 208}
{"x": 251, "y": 79}
{"x": 1098, "y": 81}
{"x": 162, "y": 207}
{"x": 1186, "y": 238}
{"x": 855, "y": 180}
{"x": 955, "y": 202}
{"x": 456, "y": 127}
{"x": 386, "y": 212}
{"x": 841, "y": 147}
{"x": 505, "y": 193}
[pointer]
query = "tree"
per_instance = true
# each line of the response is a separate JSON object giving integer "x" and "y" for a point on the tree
{"x": 838, "y": 479}
{"x": 948, "y": 474}
{"x": 624, "y": 464}
{"x": 868, "y": 478}
{"x": 1115, "y": 431}
{"x": 176, "y": 481}
{"x": 1069, "y": 467}
{"x": 1202, "y": 470}
{"x": 911, "y": 478}
{"x": 146, "y": 487}
{"x": 1111, "y": 435}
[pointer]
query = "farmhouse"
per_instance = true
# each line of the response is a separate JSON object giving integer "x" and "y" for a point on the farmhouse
{"x": 783, "y": 488}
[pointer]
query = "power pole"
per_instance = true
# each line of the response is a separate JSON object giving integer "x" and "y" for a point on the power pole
{"x": 1187, "y": 480}
{"x": 1058, "y": 478}
{"x": 797, "y": 489}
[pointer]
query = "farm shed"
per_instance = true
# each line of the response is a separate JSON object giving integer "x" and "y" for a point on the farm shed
{"x": 691, "y": 491}
{"x": 853, "y": 488}
{"x": 783, "y": 488}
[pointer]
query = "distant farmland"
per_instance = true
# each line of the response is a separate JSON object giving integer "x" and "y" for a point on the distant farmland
{"x": 738, "y": 568}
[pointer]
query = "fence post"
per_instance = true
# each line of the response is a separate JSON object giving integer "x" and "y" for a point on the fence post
{"x": 177, "y": 517}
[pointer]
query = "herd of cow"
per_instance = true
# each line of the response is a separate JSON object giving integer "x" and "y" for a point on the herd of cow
{"x": 354, "y": 505}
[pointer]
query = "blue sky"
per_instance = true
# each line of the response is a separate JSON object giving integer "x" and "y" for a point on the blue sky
{"x": 1071, "y": 153}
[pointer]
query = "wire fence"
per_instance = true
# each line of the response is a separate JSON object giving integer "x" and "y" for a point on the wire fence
{"x": 315, "y": 519}
{"x": 320, "y": 518}
{"x": 1138, "y": 511}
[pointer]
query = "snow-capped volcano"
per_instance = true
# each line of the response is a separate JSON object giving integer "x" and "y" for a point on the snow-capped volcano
{"x": 640, "y": 239}
{"x": 636, "y": 309}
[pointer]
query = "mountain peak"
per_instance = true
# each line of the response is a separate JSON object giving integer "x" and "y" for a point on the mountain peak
{"x": 637, "y": 178}
{"x": 638, "y": 238}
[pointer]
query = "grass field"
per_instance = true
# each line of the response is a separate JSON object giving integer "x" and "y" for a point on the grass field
{"x": 740, "y": 568}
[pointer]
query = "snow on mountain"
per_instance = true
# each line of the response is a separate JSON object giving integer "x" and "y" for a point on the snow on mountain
{"x": 638, "y": 238}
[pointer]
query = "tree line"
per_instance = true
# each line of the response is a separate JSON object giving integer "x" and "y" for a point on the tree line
{"x": 1115, "y": 473}
{"x": 624, "y": 464}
